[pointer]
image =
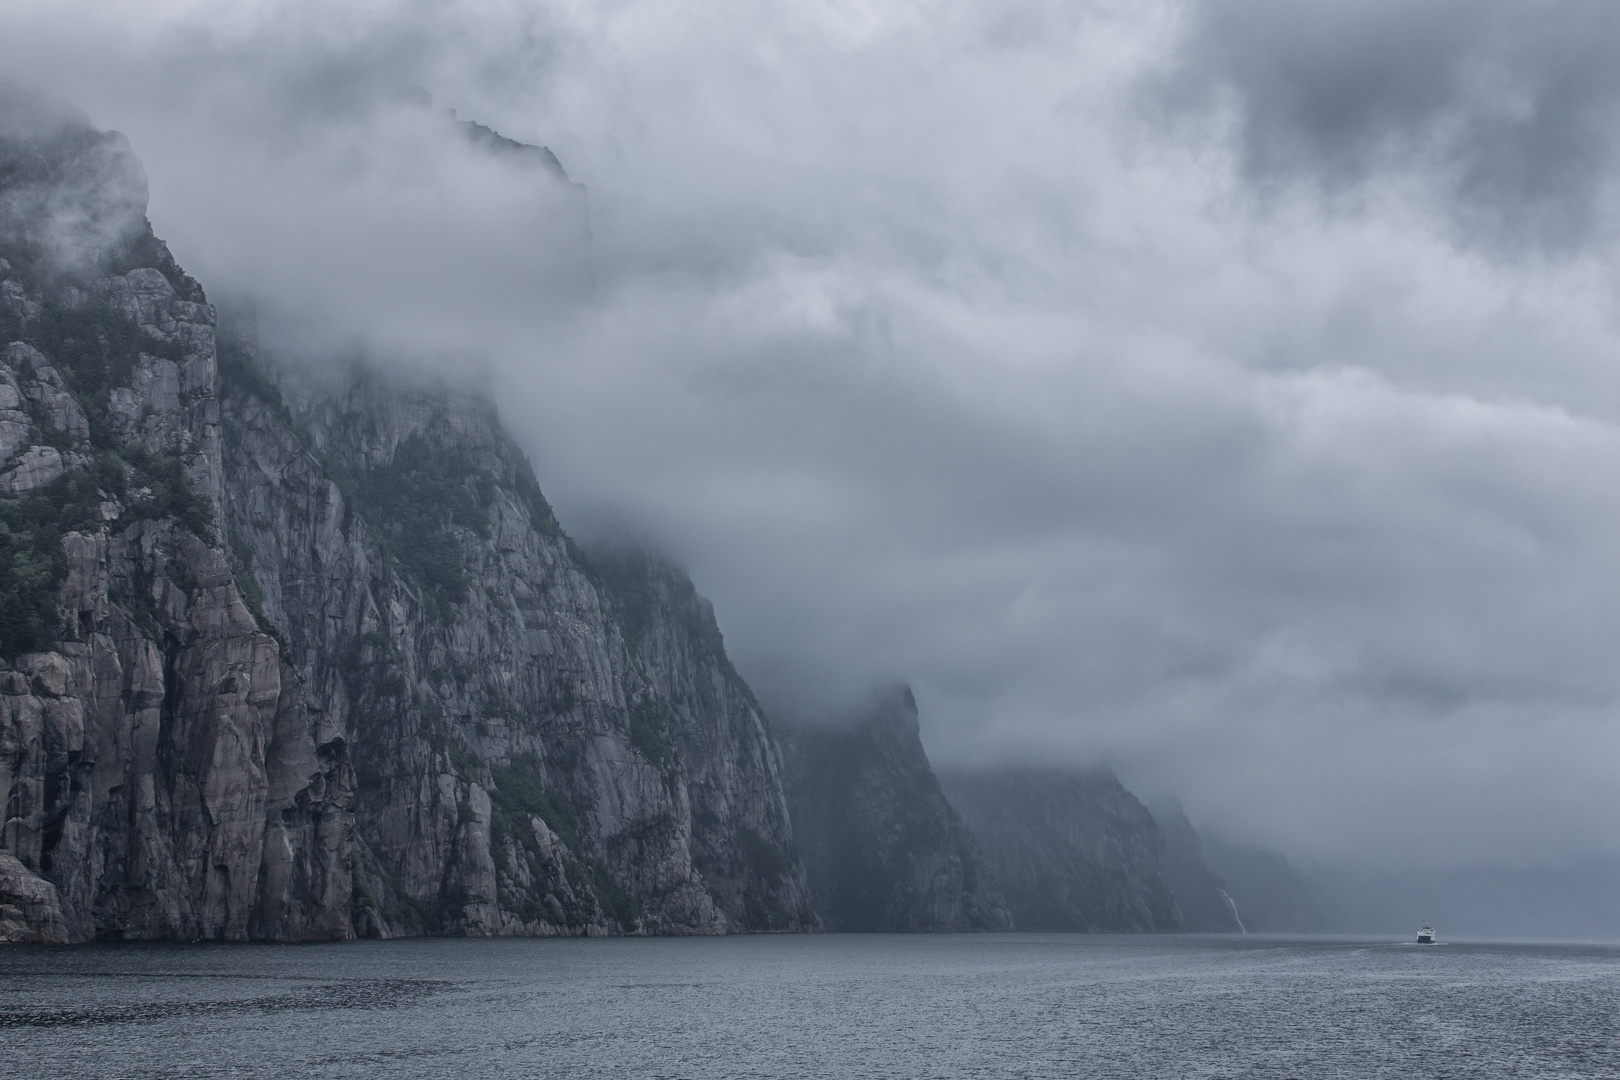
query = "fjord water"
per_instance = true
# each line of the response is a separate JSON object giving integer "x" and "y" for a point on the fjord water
{"x": 831, "y": 1006}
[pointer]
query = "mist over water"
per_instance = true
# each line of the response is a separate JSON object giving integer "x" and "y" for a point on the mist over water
{"x": 1220, "y": 392}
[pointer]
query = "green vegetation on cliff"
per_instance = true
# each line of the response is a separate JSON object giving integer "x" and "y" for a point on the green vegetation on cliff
{"x": 32, "y": 561}
{"x": 412, "y": 501}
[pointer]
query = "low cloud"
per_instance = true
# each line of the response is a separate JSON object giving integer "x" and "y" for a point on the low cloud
{"x": 1223, "y": 392}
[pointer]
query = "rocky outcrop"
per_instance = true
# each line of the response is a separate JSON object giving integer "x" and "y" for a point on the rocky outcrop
{"x": 30, "y": 910}
{"x": 310, "y": 658}
{"x": 1070, "y": 851}
{"x": 1206, "y": 906}
{"x": 884, "y": 849}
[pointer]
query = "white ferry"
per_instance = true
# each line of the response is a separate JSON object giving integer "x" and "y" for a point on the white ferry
{"x": 1426, "y": 935}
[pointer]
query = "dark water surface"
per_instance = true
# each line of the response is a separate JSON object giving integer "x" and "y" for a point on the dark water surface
{"x": 830, "y": 1006}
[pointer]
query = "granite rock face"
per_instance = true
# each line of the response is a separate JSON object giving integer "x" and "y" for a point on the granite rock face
{"x": 742, "y": 838}
{"x": 884, "y": 849}
{"x": 143, "y": 710}
{"x": 1070, "y": 851}
{"x": 307, "y": 658}
{"x": 525, "y": 765}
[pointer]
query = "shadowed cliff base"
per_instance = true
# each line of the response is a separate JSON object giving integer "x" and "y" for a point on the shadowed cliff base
{"x": 883, "y": 848}
{"x": 1070, "y": 851}
{"x": 1206, "y": 904}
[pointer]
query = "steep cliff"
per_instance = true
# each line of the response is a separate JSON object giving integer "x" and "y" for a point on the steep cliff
{"x": 521, "y": 767}
{"x": 148, "y": 724}
{"x": 293, "y": 658}
{"x": 883, "y": 848}
{"x": 1201, "y": 894}
{"x": 742, "y": 841}
{"x": 1070, "y": 851}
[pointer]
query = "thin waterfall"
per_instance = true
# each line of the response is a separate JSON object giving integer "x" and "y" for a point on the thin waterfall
{"x": 1232, "y": 904}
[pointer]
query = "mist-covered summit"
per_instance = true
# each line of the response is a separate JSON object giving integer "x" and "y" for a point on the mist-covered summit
{"x": 313, "y": 658}
{"x": 69, "y": 194}
{"x": 489, "y": 139}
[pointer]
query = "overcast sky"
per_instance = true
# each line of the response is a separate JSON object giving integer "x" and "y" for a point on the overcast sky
{"x": 1225, "y": 391}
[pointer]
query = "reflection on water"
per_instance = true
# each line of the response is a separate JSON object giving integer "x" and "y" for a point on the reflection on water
{"x": 823, "y": 1006}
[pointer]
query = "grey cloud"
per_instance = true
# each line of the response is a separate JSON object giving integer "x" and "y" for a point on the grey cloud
{"x": 1505, "y": 105}
{"x": 79, "y": 225}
